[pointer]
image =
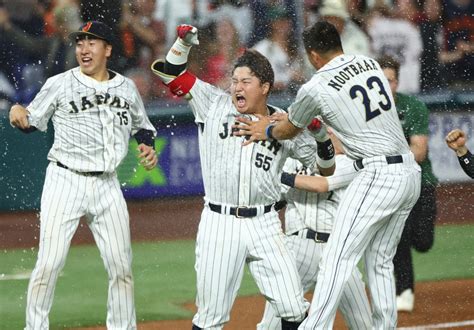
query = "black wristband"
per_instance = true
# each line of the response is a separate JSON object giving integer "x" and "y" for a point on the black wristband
{"x": 325, "y": 150}
{"x": 173, "y": 69}
{"x": 146, "y": 137}
{"x": 288, "y": 179}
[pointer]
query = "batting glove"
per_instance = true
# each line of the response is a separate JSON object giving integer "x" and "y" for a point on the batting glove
{"x": 318, "y": 130}
{"x": 188, "y": 34}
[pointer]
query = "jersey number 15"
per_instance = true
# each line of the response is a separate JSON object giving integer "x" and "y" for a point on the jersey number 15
{"x": 123, "y": 117}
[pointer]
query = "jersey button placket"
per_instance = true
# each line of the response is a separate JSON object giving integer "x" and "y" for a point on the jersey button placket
{"x": 107, "y": 117}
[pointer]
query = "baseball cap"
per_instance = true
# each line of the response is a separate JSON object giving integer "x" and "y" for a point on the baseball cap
{"x": 335, "y": 8}
{"x": 94, "y": 30}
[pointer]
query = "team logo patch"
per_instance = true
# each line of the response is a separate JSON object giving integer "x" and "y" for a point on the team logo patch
{"x": 87, "y": 27}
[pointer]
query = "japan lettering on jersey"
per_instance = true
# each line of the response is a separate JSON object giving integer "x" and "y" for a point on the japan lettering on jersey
{"x": 103, "y": 115}
{"x": 353, "y": 97}
{"x": 250, "y": 173}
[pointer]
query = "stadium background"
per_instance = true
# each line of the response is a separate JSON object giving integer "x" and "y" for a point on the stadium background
{"x": 165, "y": 203}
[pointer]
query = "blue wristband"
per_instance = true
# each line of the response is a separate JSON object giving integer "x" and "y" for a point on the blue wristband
{"x": 288, "y": 179}
{"x": 268, "y": 131}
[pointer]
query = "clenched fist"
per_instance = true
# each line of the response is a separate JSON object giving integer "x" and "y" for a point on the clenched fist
{"x": 188, "y": 34}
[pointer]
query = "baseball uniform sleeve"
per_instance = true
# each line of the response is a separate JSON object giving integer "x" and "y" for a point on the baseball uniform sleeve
{"x": 44, "y": 104}
{"x": 138, "y": 113}
{"x": 343, "y": 175}
{"x": 305, "y": 107}
{"x": 304, "y": 149}
{"x": 203, "y": 95}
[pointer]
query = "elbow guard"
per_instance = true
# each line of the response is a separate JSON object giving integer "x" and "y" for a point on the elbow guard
{"x": 179, "y": 85}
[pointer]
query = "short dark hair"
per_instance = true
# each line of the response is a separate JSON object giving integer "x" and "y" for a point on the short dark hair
{"x": 388, "y": 62}
{"x": 322, "y": 37}
{"x": 258, "y": 65}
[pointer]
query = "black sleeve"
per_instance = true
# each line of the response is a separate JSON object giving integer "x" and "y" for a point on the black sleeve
{"x": 467, "y": 164}
{"x": 325, "y": 149}
{"x": 146, "y": 137}
{"x": 173, "y": 69}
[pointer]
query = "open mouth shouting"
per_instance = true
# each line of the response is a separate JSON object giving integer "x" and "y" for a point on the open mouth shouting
{"x": 240, "y": 101}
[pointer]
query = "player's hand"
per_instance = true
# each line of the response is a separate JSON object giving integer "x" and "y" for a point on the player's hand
{"x": 456, "y": 140}
{"x": 318, "y": 130}
{"x": 147, "y": 156}
{"x": 188, "y": 34}
{"x": 19, "y": 117}
{"x": 254, "y": 130}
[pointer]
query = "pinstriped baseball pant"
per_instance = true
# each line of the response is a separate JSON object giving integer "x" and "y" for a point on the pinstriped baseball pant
{"x": 224, "y": 245}
{"x": 66, "y": 197}
{"x": 369, "y": 223}
{"x": 354, "y": 303}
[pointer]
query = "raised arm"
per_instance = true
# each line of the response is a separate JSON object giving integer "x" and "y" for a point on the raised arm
{"x": 456, "y": 140}
{"x": 172, "y": 70}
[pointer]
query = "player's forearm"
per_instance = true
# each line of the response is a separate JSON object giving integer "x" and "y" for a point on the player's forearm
{"x": 284, "y": 130}
{"x": 309, "y": 183}
{"x": 316, "y": 184}
{"x": 177, "y": 58}
{"x": 172, "y": 70}
{"x": 461, "y": 151}
{"x": 327, "y": 171}
{"x": 419, "y": 152}
{"x": 419, "y": 147}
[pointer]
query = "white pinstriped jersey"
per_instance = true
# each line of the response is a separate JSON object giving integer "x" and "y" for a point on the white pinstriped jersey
{"x": 93, "y": 120}
{"x": 353, "y": 96}
{"x": 233, "y": 174}
{"x": 312, "y": 210}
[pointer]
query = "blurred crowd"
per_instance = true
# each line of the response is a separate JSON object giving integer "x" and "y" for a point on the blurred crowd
{"x": 432, "y": 39}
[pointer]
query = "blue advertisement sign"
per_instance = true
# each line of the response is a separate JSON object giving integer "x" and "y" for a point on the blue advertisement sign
{"x": 178, "y": 172}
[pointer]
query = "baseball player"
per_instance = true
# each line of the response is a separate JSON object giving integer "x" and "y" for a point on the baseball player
{"x": 239, "y": 224}
{"x": 353, "y": 97}
{"x": 94, "y": 111}
{"x": 308, "y": 222}
{"x": 456, "y": 140}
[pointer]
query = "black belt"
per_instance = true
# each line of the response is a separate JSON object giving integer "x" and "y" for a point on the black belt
{"x": 94, "y": 173}
{"x": 240, "y": 211}
{"x": 314, "y": 235}
{"x": 390, "y": 160}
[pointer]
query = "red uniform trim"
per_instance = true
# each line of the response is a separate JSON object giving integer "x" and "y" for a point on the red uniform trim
{"x": 182, "y": 84}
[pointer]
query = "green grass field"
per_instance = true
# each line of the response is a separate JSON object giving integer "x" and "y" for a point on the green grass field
{"x": 165, "y": 279}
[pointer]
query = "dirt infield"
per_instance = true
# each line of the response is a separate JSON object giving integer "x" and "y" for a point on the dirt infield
{"x": 178, "y": 218}
{"x": 168, "y": 219}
